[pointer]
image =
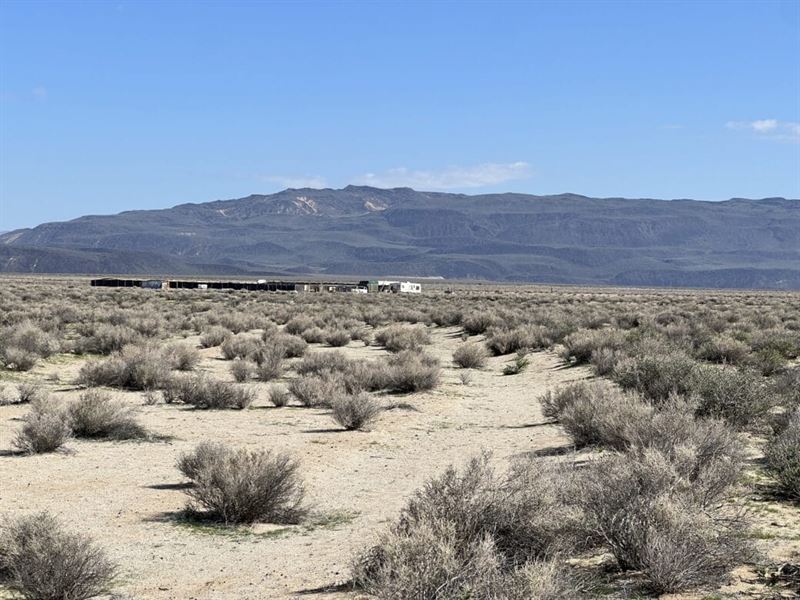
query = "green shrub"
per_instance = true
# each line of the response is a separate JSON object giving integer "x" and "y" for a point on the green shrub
{"x": 337, "y": 338}
{"x": 396, "y": 338}
{"x": 242, "y": 370}
{"x": 136, "y": 368}
{"x": 740, "y": 397}
{"x": 181, "y": 357}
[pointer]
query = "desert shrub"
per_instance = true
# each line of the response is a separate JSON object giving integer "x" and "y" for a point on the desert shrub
{"x": 293, "y": 346}
{"x": 28, "y": 338}
{"x": 42, "y": 561}
{"x": 604, "y": 360}
{"x": 644, "y": 512}
{"x": 45, "y": 428}
{"x": 767, "y": 361}
{"x": 106, "y": 338}
{"x": 269, "y": 363}
{"x": 518, "y": 365}
{"x": 30, "y": 392}
{"x": 782, "y": 457}
{"x": 181, "y": 357}
{"x": 506, "y": 341}
{"x": 17, "y": 359}
{"x": 409, "y": 371}
{"x": 364, "y": 335}
{"x": 337, "y": 338}
{"x": 298, "y": 325}
{"x": 242, "y": 370}
{"x": 475, "y": 534}
{"x": 723, "y": 348}
{"x": 204, "y": 392}
{"x": 579, "y": 345}
{"x": 740, "y": 397}
{"x": 244, "y": 486}
{"x": 323, "y": 362}
{"x": 355, "y": 411}
{"x": 241, "y": 345}
{"x": 313, "y": 335}
{"x": 279, "y": 396}
{"x": 597, "y": 413}
{"x": 214, "y": 336}
{"x": 656, "y": 374}
{"x": 470, "y": 356}
{"x": 479, "y": 322}
{"x": 316, "y": 390}
{"x": 396, "y": 338}
{"x": 97, "y": 415}
{"x": 136, "y": 368}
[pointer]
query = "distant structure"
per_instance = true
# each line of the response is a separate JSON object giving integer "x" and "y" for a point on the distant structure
{"x": 362, "y": 287}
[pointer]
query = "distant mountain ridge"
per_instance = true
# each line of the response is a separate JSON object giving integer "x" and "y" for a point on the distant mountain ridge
{"x": 364, "y": 231}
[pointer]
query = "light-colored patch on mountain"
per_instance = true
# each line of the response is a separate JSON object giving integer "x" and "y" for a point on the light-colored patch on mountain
{"x": 375, "y": 206}
{"x": 306, "y": 205}
{"x": 12, "y": 238}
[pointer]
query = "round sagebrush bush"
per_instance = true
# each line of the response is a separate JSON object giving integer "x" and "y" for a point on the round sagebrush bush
{"x": 313, "y": 335}
{"x": 355, "y": 411}
{"x": 410, "y": 371}
{"x": 741, "y": 397}
{"x": 578, "y": 346}
{"x": 244, "y": 486}
{"x": 782, "y": 457}
{"x": 181, "y": 356}
{"x": 45, "y": 428}
{"x": 657, "y": 373}
{"x": 397, "y": 338}
{"x": 279, "y": 396}
{"x": 241, "y": 345}
{"x": 242, "y": 370}
{"x": 39, "y": 560}
{"x": 95, "y": 414}
{"x": 597, "y": 413}
{"x": 471, "y": 356}
{"x": 338, "y": 338}
{"x": 214, "y": 336}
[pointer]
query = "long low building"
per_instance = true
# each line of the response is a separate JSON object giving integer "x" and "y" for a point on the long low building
{"x": 263, "y": 285}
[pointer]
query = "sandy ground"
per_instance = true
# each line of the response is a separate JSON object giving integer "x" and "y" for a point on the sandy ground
{"x": 127, "y": 495}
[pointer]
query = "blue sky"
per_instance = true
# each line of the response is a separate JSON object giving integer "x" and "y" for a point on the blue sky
{"x": 110, "y": 106}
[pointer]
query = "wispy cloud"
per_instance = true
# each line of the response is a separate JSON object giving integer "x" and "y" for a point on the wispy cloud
{"x": 476, "y": 176}
{"x": 773, "y": 129}
{"x": 301, "y": 181}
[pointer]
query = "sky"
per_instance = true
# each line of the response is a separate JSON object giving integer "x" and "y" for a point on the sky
{"x": 109, "y": 106}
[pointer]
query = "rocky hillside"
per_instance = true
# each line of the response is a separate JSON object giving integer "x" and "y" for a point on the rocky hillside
{"x": 364, "y": 231}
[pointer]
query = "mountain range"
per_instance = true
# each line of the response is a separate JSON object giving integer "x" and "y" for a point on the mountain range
{"x": 364, "y": 231}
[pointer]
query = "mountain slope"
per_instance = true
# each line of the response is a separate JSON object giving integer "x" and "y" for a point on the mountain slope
{"x": 366, "y": 231}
